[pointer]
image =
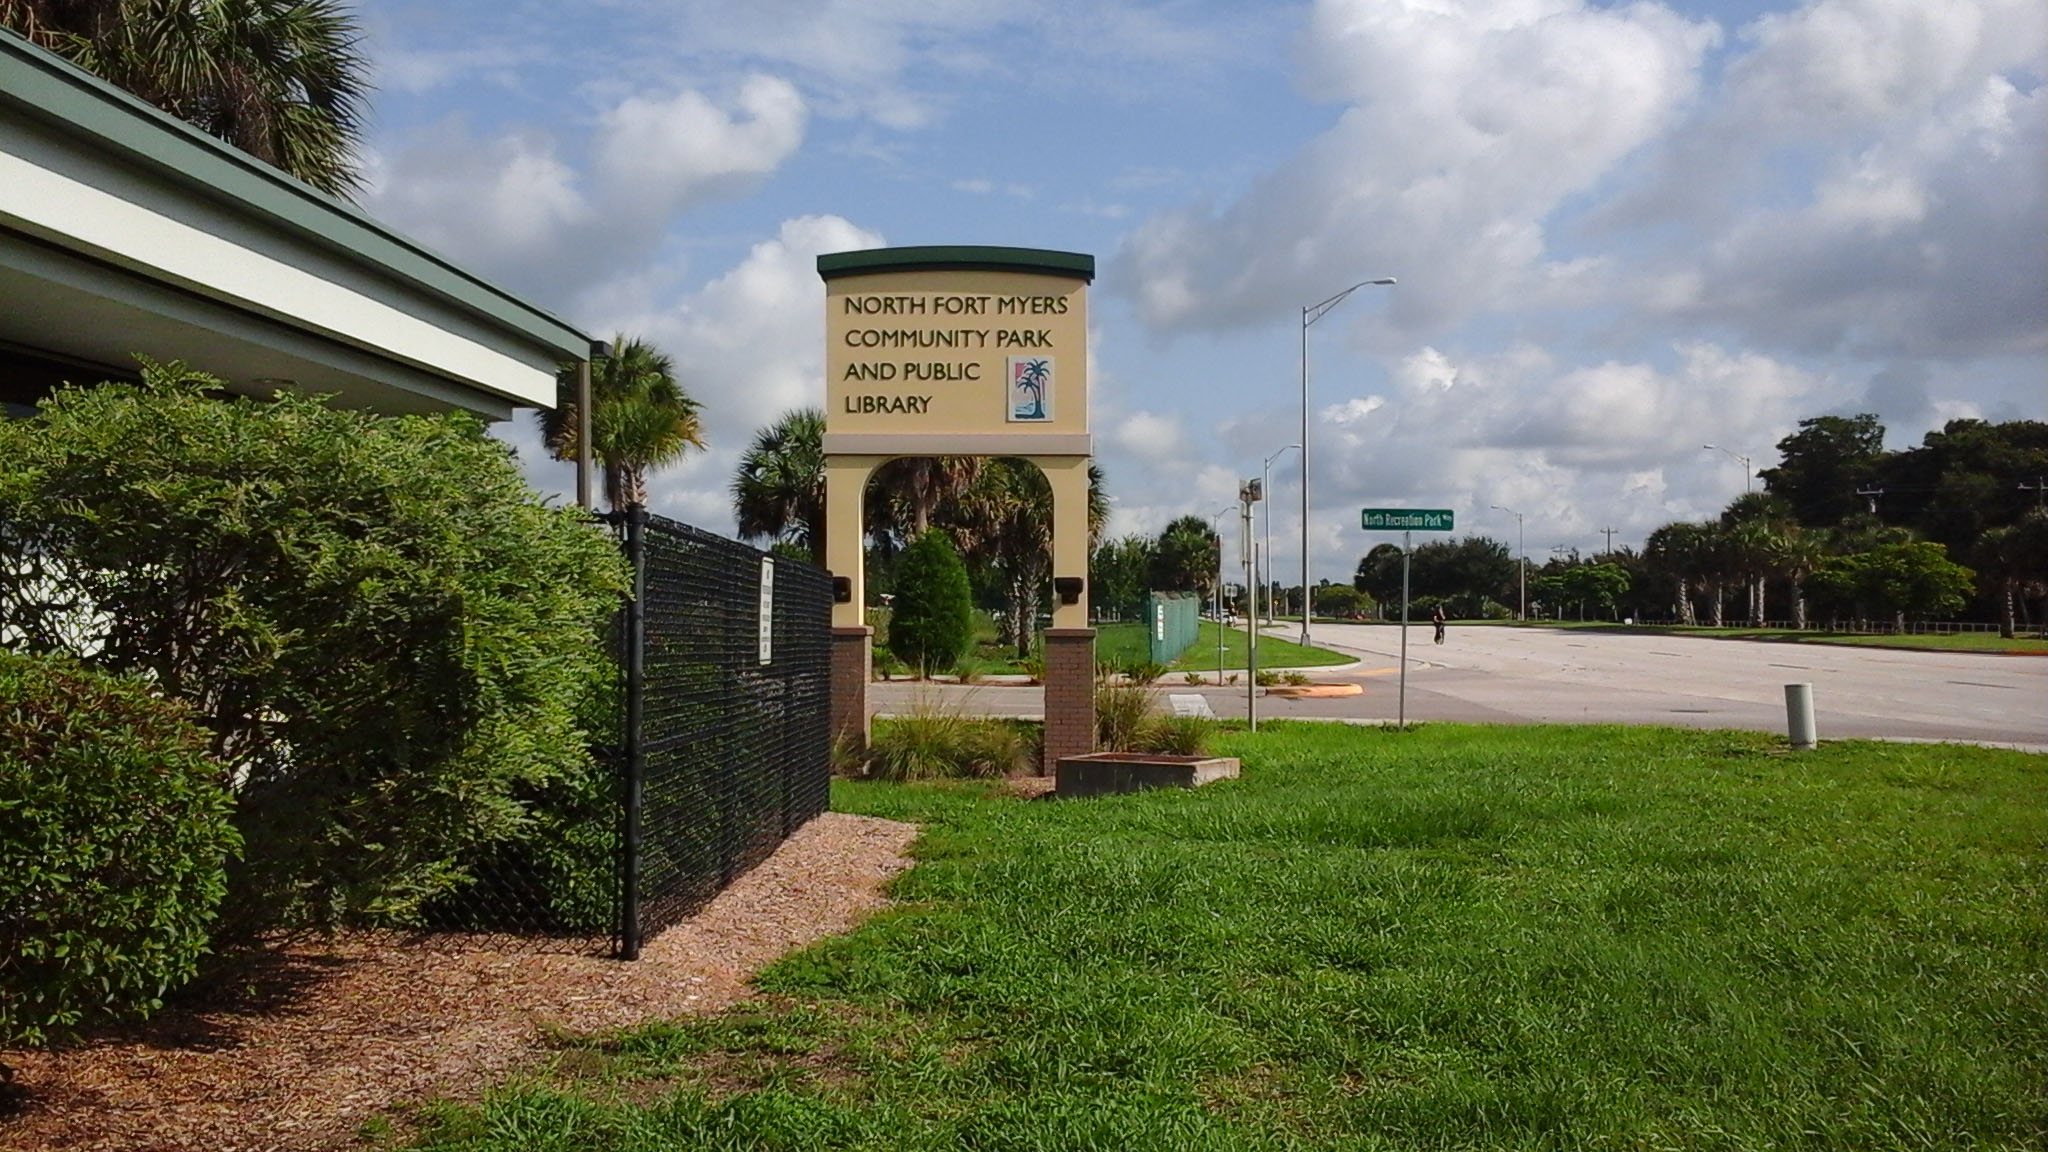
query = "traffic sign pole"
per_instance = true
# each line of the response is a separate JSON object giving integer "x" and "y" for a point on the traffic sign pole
{"x": 1406, "y": 521}
{"x": 1407, "y": 547}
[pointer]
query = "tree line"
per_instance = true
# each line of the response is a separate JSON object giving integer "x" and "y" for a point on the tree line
{"x": 1843, "y": 530}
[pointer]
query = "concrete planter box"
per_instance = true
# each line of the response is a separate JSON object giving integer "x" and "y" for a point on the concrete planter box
{"x": 1101, "y": 773}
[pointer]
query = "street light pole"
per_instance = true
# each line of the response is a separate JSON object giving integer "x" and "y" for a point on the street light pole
{"x": 1521, "y": 554}
{"x": 1736, "y": 456}
{"x": 1217, "y": 516}
{"x": 1266, "y": 476}
{"x": 1310, "y": 315}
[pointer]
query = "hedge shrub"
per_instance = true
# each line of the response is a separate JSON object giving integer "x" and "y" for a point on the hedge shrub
{"x": 114, "y": 840}
{"x": 932, "y": 622}
{"x": 385, "y": 632}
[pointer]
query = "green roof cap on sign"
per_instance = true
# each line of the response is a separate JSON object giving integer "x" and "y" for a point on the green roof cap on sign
{"x": 957, "y": 258}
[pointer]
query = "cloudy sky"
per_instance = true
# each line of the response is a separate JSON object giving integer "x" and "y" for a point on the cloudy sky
{"x": 1622, "y": 231}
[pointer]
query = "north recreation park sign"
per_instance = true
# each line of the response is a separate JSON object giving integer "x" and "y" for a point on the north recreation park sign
{"x": 1405, "y": 519}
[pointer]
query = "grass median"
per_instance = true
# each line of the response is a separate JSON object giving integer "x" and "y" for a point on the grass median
{"x": 1452, "y": 937}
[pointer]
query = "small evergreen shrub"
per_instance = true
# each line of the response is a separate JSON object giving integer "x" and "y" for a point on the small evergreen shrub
{"x": 114, "y": 840}
{"x": 932, "y": 621}
{"x": 1295, "y": 678}
{"x": 1266, "y": 679}
{"x": 1193, "y": 678}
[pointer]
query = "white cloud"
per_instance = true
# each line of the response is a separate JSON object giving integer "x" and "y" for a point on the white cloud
{"x": 749, "y": 347}
{"x": 509, "y": 196}
{"x": 1468, "y": 123}
{"x": 674, "y": 150}
{"x": 511, "y": 206}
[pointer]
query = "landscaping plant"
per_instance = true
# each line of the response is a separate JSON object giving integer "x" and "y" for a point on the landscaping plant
{"x": 114, "y": 841}
{"x": 932, "y": 621}
{"x": 384, "y": 633}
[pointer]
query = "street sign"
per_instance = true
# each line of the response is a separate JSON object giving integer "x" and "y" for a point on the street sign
{"x": 1405, "y": 519}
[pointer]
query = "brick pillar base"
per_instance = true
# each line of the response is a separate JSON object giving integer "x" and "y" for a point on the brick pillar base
{"x": 1069, "y": 695}
{"x": 851, "y": 663}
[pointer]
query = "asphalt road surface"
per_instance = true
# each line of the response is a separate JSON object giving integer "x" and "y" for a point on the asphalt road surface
{"x": 1494, "y": 675}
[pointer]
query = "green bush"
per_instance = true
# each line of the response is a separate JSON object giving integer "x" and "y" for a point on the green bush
{"x": 932, "y": 621}
{"x": 114, "y": 840}
{"x": 386, "y": 634}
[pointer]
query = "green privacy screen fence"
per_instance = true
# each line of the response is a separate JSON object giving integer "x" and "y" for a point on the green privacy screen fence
{"x": 1171, "y": 620}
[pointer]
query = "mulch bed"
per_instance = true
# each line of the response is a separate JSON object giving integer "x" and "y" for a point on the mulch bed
{"x": 328, "y": 1035}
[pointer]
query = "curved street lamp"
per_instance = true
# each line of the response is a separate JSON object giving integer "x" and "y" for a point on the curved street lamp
{"x": 1216, "y": 518}
{"x": 1737, "y": 456}
{"x": 1522, "y": 554}
{"x": 1310, "y": 315}
{"x": 1266, "y": 581}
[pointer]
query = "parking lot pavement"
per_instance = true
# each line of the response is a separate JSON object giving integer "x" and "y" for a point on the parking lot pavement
{"x": 1496, "y": 675}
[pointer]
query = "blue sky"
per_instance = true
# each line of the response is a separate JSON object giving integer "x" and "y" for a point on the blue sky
{"x": 1621, "y": 231}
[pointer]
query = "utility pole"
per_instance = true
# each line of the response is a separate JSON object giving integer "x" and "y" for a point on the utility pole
{"x": 1872, "y": 494}
{"x": 1609, "y": 533}
{"x": 2037, "y": 487}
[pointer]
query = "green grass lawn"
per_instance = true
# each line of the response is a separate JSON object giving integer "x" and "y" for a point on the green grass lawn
{"x": 1953, "y": 642}
{"x": 1125, "y": 643}
{"x": 1455, "y": 937}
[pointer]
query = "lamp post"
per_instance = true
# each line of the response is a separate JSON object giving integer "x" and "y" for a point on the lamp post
{"x": 1216, "y": 517}
{"x": 1737, "y": 456}
{"x": 1521, "y": 554}
{"x": 1266, "y": 476}
{"x": 1309, "y": 315}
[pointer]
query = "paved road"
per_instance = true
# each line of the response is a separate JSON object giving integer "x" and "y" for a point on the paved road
{"x": 1539, "y": 675}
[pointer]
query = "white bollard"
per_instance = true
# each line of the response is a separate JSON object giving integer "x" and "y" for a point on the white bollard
{"x": 1799, "y": 715}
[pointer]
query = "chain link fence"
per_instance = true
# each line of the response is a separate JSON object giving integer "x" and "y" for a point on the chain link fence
{"x": 726, "y": 747}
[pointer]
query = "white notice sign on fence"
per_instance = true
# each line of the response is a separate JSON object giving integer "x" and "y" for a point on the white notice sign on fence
{"x": 767, "y": 609}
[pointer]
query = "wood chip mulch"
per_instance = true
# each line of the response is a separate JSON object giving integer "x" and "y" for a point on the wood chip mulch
{"x": 341, "y": 1031}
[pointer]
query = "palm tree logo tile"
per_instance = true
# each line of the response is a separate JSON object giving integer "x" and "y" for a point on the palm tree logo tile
{"x": 1030, "y": 389}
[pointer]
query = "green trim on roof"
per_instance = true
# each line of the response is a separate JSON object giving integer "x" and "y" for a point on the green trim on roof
{"x": 957, "y": 258}
{"x": 50, "y": 89}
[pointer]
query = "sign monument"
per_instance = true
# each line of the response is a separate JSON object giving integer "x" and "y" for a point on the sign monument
{"x": 960, "y": 351}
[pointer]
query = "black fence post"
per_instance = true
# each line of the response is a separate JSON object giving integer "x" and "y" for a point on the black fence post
{"x": 636, "y": 742}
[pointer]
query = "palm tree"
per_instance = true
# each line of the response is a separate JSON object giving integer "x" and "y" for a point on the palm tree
{"x": 2015, "y": 555}
{"x": 1800, "y": 552}
{"x": 915, "y": 488}
{"x": 1755, "y": 524}
{"x": 1675, "y": 550}
{"x": 778, "y": 490}
{"x": 1186, "y": 557}
{"x": 1005, "y": 526}
{"x": 279, "y": 79}
{"x": 640, "y": 418}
